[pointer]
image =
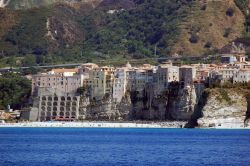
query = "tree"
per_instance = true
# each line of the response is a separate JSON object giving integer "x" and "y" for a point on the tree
{"x": 14, "y": 90}
{"x": 29, "y": 60}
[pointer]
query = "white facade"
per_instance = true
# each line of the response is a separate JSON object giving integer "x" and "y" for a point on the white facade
{"x": 120, "y": 84}
{"x": 242, "y": 75}
{"x": 228, "y": 73}
{"x": 166, "y": 75}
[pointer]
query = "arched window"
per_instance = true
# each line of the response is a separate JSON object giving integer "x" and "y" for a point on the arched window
{"x": 43, "y": 103}
{"x": 75, "y": 99}
{"x": 68, "y": 98}
{"x": 48, "y": 108}
{"x": 61, "y": 108}
{"x": 43, "y": 98}
{"x": 61, "y": 113}
{"x": 62, "y": 104}
{"x": 55, "y": 104}
{"x": 68, "y": 104}
{"x": 55, "y": 98}
{"x": 43, "y": 108}
{"x": 48, "y": 114}
{"x": 54, "y": 108}
{"x": 54, "y": 114}
{"x": 67, "y": 114}
{"x": 74, "y": 109}
{"x": 73, "y": 114}
{"x": 63, "y": 98}
{"x": 49, "y": 104}
{"x": 74, "y": 103}
{"x": 50, "y": 98}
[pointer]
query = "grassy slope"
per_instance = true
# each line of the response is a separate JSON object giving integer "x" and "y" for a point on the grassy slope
{"x": 209, "y": 25}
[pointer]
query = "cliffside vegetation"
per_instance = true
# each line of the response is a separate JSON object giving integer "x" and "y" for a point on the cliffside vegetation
{"x": 14, "y": 90}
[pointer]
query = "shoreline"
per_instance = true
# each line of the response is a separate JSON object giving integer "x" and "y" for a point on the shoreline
{"x": 95, "y": 124}
{"x": 170, "y": 125}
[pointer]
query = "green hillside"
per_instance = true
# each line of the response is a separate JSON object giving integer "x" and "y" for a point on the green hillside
{"x": 116, "y": 30}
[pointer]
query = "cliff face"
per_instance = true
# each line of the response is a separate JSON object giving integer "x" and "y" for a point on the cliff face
{"x": 175, "y": 104}
{"x": 225, "y": 108}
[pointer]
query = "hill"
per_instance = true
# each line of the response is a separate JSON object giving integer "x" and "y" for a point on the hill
{"x": 73, "y": 30}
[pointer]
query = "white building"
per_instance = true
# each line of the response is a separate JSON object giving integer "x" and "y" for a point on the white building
{"x": 166, "y": 75}
{"x": 243, "y": 75}
{"x": 120, "y": 84}
{"x": 228, "y": 72}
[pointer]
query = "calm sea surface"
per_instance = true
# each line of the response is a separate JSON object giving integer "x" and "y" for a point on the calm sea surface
{"x": 80, "y": 146}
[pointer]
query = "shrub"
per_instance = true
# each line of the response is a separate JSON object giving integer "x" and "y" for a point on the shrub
{"x": 230, "y": 12}
{"x": 208, "y": 45}
{"x": 203, "y": 7}
{"x": 224, "y": 95}
{"x": 194, "y": 38}
{"x": 227, "y": 32}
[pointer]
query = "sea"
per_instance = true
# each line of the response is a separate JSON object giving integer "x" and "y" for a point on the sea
{"x": 123, "y": 146}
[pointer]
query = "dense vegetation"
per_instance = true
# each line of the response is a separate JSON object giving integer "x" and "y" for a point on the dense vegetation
{"x": 136, "y": 29}
{"x": 138, "y": 32}
{"x": 146, "y": 28}
{"x": 14, "y": 90}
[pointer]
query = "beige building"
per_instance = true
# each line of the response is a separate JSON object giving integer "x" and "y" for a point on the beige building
{"x": 66, "y": 84}
{"x": 53, "y": 107}
{"x": 166, "y": 74}
{"x": 100, "y": 82}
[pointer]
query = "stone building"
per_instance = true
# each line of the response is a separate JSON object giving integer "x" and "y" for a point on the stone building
{"x": 53, "y": 107}
{"x": 120, "y": 84}
{"x": 166, "y": 74}
{"x": 100, "y": 82}
{"x": 61, "y": 82}
{"x": 187, "y": 75}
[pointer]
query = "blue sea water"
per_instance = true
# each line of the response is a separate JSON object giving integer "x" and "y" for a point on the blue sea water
{"x": 107, "y": 147}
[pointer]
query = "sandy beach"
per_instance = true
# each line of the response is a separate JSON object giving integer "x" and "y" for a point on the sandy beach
{"x": 97, "y": 124}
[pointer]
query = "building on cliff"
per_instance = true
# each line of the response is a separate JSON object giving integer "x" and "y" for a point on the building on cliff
{"x": 57, "y": 106}
{"x": 120, "y": 84}
{"x": 242, "y": 75}
{"x": 187, "y": 75}
{"x": 166, "y": 74}
{"x": 100, "y": 82}
{"x": 55, "y": 94}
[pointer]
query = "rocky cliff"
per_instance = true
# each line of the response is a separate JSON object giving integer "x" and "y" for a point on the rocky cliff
{"x": 225, "y": 108}
{"x": 177, "y": 103}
